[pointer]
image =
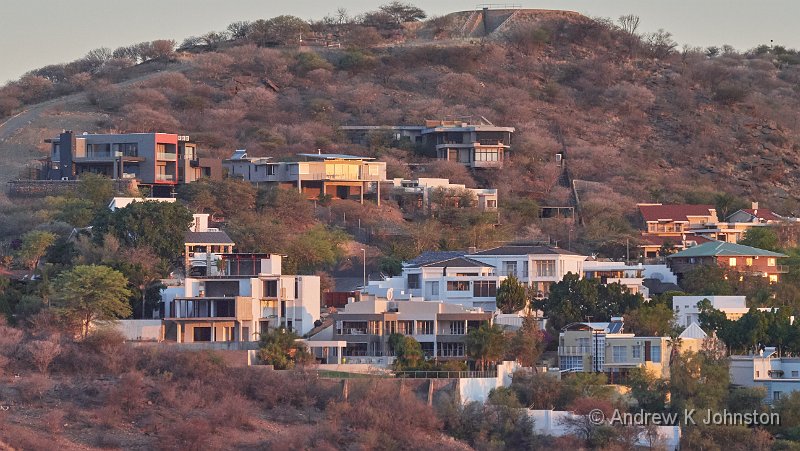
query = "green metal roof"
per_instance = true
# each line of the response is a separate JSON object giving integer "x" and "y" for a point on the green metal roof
{"x": 722, "y": 249}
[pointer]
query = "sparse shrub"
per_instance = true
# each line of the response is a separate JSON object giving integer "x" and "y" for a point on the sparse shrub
{"x": 33, "y": 387}
{"x": 42, "y": 353}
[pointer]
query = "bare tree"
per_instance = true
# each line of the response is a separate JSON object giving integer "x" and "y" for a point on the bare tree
{"x": 42, "y": 353}
{"x": 629, "y": 23}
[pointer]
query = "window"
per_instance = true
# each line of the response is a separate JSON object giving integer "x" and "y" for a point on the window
{"x": 129, "y": 149}
{"x": 457, "y": 285}
{"x": 771, "y": 262}
{"x": 424, "y": 328}
{"x": 619, "y": 353}
{"x": 748, "y": 261}
{"x": 271, "y": 169}
{"x": 405, "y": 327}
{"x": 732, "y": 261}
{"x": 413, "y": 281}
{"x": 484, "y": 289}
{"x": 545, "y": 268}
{"x": 374, "y": 327}
{"x": 467, "y": 274}
{"x": 571, "y": 362}
{"x": 525, "y": 269}
{"x": 636, "y": 352}
{"x": 656, "y": 353}
{"x": 450, "y": 349}
{"x": 487, "y": 155}
{"x": 776, "y": 395}
{"x": 270, "y": 288}
{"x": 202, "y": 334}
{"x": 491, "y": 204}
{"x": 390, "y": 327}
{"x": 583, "y": 344}
{"x": 795, "y": 373}
{"x": 457, "y": 328}
{"x": 432, "y": 288}
{"x": 773, "y": 278}
{"x": 510, "y": 268}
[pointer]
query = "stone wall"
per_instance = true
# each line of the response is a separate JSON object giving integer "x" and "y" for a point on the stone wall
{"x": 43, "y": 188}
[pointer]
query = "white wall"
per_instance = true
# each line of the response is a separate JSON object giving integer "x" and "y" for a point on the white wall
{"x": 137, "y": 329}
{"x": 478, "y": 388}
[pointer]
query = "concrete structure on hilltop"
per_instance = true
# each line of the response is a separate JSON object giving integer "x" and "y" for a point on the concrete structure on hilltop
{"x": 158, "y": 160}
{"x": 246, "y": 296}
{"x": 314, "y": 174}
{"x": 744, "y": 260}
{"x": 423, "y": 194}
{"x": 604, "y": 347}
{"x": 778, "y": 375}
{"x": 476, "y": 144}
{"x": 365, "y": 327}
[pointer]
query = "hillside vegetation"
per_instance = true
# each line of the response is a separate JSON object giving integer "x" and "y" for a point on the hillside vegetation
{"x": 648, "y": 121}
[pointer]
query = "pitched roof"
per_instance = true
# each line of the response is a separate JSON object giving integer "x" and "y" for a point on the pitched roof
{"x": 693, "y": 331}
{"x": 219, "y": 237}
{"x": 458, "y": 262}
{"x": 674, "y": 212}
{"x": 720, "y": 248}
{"x": 762, "y": 213}
{"x": 434, "y": 256}
{"x": 523, "y": 249}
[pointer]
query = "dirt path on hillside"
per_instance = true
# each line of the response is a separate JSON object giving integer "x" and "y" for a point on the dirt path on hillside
{"x": 16, "y": 154}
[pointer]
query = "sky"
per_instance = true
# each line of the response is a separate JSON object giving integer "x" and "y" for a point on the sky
{"x": 35, "y": 33}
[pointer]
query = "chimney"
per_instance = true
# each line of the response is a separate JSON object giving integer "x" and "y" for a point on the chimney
{"x": 472, "y": 250}
{"x": 754, "y": 206}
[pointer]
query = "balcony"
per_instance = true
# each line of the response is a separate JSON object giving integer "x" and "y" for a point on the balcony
{"x": 218, "y": 308}
{"x": 574, "y": 350}
{"x": 166, "y": 156}
{"x": 165, "y": 178}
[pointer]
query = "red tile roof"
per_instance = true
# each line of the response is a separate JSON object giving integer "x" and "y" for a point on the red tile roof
{"x": 675, "y": 212}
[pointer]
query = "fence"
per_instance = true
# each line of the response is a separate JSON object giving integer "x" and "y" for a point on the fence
{"x": 446, "y": 374}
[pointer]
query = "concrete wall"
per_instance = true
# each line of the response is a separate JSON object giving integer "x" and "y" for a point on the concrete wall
{"x": 478, "y": 388}
{"x": 139, "y": 329}
{"x": 42, "y": 188}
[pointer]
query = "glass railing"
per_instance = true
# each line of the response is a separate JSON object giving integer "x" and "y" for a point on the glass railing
{"x": 166, "y": 156}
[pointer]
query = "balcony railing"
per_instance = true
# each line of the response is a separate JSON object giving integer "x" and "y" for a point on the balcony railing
{"x": 169, "y": 156}
{"x": 165, "y": 177}
{"x": 341, "y": 177}
{"x": 446, "y": 374}
{"x": 574, "y": 350}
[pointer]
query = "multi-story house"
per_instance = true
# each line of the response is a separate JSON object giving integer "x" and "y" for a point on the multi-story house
{"x": 423, "y": 194}
{"x": 314, "y": 174}
{"x": 778, "y": 375}
{"x": 604, "y": 347}
{"x": 471, "y": 279}
{"x": 152, "y": 159}
{"x": 245, "y": 295}
{"x": 538, "y": 266}
{"x": 744, "y": 260}
{"x": 687, "y": 311}
{"x": 674, "y": 226}
{"x": 203, "y": 246}
{"x": 440, "y": 328}
{"x": 629, "y": 276}
{"x": 476, "y": 144}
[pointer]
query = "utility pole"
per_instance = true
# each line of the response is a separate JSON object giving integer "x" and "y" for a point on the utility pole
{"x": 364, "y": 258}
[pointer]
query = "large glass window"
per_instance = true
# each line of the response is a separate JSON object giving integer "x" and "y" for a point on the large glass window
{"x": 270, "y": 288}
{"x": 545, "y": 268}
{"x": 127, "y": 149}
{"x": 413, "y": 281}
{"x": 636, "y": 352}
{"x": 432, "y": 288}
{"x": 487, "y": 155}
{"x": 484, "y": 289}
{"x": 510, "y": 268}
{"x": 405, "y": 327}
{"x": 619, "y": 353}
{"x": 655, "y": 353}
{"x": 457, "y": 285}
{"x": 424, "y": 328}
{"x": 457, "y": 328}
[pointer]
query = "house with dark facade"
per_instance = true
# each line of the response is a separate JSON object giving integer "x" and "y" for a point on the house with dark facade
{"x": 157, "y": 160}
{"x": 473, "y": 143}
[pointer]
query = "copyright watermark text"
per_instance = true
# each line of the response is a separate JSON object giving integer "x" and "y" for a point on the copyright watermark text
{"x": 690, "y": 417}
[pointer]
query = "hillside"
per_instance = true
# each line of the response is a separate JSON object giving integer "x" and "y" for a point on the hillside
{"x": 646, "y": 121}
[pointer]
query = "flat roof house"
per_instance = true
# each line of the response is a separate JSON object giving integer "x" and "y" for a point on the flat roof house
{"x": 159, "y": 160}
{"x": 247, "y": 295}
{"x": 423, "y": 194}
{"x": 314, "y": 174}
{"x": 476, "y": 144}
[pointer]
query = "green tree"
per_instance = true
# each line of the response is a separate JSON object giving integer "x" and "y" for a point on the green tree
{"x": 403, "y": 12}
{"x": 34, "y": 246}
{"x": 486, "y": 344}
{"x": 762, "y": 238}
{"x": 727, "y": 204}
{"x": 710, "y": 318}
{"x": 407, "y": 351}
{"x": 89, "y": 293}
{"x": 281, "y": 30}
{"x": 511, "y": 295}
{"x": 652, "y": 320}
{"x": 649, "y": 391}
{"x": 527, "y": 344}
{"x": 707, "y": 280}
{"x": 161, "y": 226}
{"x": 280, "y": 348}
{"x": 698, "y": 380}
{"x": 96, "y": 189}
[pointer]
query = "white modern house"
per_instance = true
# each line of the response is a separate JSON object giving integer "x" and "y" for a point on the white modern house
{"x": 246, "y": 295}
{"x": 629, "y": 276}
{"x": 537, "y": 266}
{"x": 687, "y": 312}
{"x": 778, "y": 375}
{"x": 426, "y": 189}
